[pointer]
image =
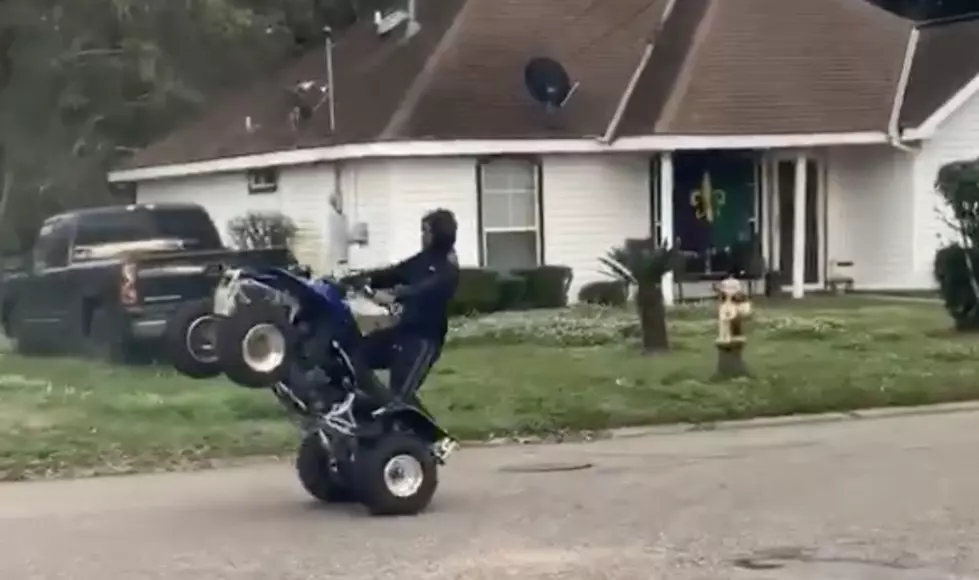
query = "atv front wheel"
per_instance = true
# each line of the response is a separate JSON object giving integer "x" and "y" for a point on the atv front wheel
{"x": 397, "y": 475}
{"x": 256, "y": 345}
{"x": 316, "y": 474}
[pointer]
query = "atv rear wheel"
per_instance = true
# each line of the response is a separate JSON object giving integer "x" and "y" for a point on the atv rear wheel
{"x": 317, "y": 476}
{"x": 397, "y": 475}
{"x": 257, "y": 345}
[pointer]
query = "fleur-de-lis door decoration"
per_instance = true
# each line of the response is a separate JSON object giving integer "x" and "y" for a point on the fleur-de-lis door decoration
{"x": 707, "y": 201}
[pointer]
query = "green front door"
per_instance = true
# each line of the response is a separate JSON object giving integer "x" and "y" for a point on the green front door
{"x": 714, "y": 207}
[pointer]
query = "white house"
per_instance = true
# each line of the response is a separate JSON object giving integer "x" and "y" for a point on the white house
{"x": 816, "y": 126}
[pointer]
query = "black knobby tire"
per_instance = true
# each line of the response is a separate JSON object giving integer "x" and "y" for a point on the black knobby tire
{"x": 177, "y": 341}
{"x": 370, "y": 466}
{"x": 232, "y": 334}
{"x": 313, "y": 468}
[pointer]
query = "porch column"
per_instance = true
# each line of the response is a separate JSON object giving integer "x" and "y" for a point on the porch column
{"x": 775, "y": 221}
{"x": 799, "y": 229}
{"x": 666, "y": 216}
{"x": 765, "y": 227}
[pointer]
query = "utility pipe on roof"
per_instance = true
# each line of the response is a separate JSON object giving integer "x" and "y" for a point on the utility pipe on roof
{"x": 893, "y": 123}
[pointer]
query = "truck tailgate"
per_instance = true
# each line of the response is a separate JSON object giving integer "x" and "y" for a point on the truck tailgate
{"x": 180, "y": 276}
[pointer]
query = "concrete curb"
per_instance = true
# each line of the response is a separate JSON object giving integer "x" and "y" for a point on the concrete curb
{"x": 897, "y": 298}
{"x": 760, "y": 423}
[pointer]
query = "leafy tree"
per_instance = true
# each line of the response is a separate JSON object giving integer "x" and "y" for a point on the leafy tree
{"x": 86, "y": 82}
{"x": 928, "y": 9}
{"x": 642, "y": 264}
{"x": 261, "y": 230}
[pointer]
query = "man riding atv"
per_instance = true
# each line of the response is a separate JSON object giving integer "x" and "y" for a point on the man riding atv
{"x": 423, "y": 285}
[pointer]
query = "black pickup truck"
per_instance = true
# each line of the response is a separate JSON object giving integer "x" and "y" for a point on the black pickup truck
{"x": 102, "y": 282}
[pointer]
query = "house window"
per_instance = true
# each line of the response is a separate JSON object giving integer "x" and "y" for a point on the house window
{"x": 264, "y": 180}
{"x": 510, "y": 214}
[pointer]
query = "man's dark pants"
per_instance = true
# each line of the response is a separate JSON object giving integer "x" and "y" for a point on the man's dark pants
{"x": 409, "y": 358}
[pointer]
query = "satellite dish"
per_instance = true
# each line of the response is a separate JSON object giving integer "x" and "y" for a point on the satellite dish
{"x": 548, "y": 82}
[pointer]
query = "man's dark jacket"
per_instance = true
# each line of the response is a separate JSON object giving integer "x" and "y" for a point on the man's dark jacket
{"x": 424, "y": 285}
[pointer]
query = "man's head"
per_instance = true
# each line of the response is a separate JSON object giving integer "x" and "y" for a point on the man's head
{"x": 439, "y": 230}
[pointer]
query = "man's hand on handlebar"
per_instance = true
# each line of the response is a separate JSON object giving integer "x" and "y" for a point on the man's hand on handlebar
{"x": 354, "y": 281}
{"x": 384, "y": 298}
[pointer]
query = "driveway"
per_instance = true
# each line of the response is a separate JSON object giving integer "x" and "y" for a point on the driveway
{"x": 867, "y": 499}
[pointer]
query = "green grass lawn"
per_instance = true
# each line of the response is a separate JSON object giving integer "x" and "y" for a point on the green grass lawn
{"x": 538, "y": 372}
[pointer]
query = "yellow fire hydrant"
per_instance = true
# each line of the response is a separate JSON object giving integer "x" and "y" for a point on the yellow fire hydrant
{"x": 732, "y": 313}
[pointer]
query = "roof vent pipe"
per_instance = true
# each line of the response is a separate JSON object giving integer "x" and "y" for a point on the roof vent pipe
{"x": 412, "y": 27}
{"x": 329, "y": 79}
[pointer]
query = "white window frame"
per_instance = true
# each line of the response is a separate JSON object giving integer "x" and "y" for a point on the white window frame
{"x": 262, "y": 181}
{"x": 486, "y": 231}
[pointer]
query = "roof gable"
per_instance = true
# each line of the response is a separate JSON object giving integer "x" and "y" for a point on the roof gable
{"x": 781, "y": 66}
{"x": 945, "y": 60}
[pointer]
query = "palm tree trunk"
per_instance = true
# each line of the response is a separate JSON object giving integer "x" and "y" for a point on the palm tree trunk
{"x": 652, "y": 317}
{"x": 6, "y": 191}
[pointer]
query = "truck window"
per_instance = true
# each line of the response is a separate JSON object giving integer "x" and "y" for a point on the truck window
{"x": 191, "y": 226}
{"x": 188, "y": 224}
{"x": 51, "y": 247}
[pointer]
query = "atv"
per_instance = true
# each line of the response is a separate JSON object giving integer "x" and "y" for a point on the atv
{"x": 282, "y": 330}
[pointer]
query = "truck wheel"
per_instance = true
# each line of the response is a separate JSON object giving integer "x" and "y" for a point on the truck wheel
{"x": 7, "y": 320}
{"x": 313, "y": 468}
{"x": 107, "y": 340}
{"x": 256, "y": 345}
{"x": 397, "y": 475}
{"x": 24, "y": 343}
{"x": 190, "y": 340}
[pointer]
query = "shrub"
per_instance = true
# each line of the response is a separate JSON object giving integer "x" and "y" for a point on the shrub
{"x": 546, "y": 286}
{"x": 261, "y": 230}
{"x": 955, "y": 264}
{"x": 513, "y": 292}
{"x": 954, "y": 280}
{"x": 478, "y": 291}
{"x": 604, "y": 293}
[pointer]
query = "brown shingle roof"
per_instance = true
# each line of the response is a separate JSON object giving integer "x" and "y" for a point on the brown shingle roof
{"x": 460, "y": 77}
{"x": 478, "y": 89}
{"x": 719, "y": 67}
{"x": 945, "y": 60}
{"x": 780, "y": 66}
{"x": 371, "y": 74}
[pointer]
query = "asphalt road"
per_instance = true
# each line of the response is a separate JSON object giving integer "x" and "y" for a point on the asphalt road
{"x": 888, "y": 499}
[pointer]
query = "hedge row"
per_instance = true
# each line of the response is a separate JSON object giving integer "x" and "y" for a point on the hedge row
{"x": 482, "y": 291}
{"x": 604, "y": 293}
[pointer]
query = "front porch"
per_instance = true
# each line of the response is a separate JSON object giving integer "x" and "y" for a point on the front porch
{"x": 761, "y": 214}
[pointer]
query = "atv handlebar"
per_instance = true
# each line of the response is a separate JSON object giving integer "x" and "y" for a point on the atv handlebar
{"x": 361, "y": 285}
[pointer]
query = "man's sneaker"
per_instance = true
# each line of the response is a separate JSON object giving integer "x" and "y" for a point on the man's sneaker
{"x": 443, "y": 448}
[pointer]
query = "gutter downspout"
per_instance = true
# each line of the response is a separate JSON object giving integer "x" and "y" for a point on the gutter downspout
{"x": 630, "y": 88}
{"x": 893, "y": 124}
